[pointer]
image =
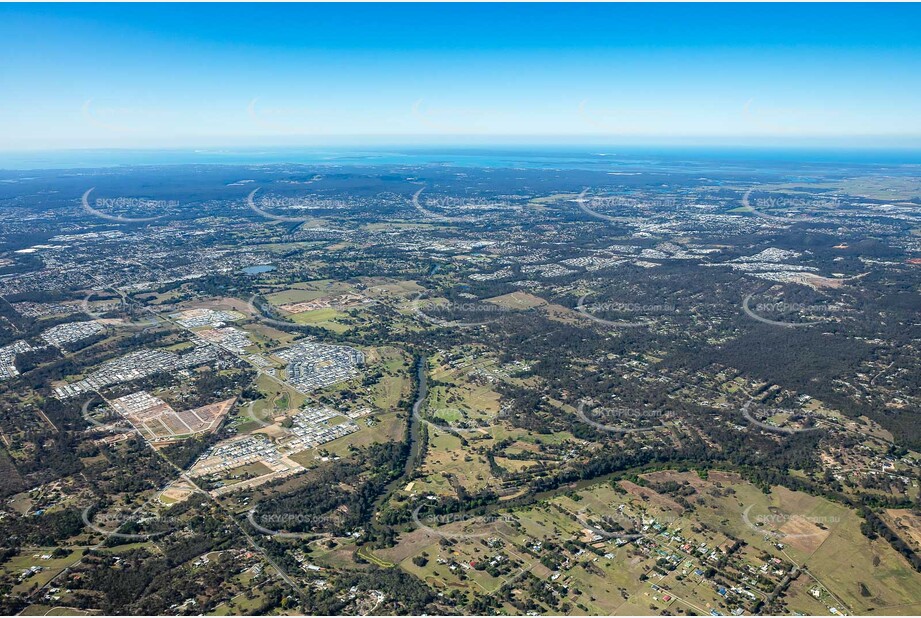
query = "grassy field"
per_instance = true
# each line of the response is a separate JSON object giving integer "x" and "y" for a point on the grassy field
{"x": 323, "y": 318}
{"x": 382, "y": 287}
{"x": 248, "y": 471}
{"x": 396, "y": 382}
{"x": 517, "y": 300}
{"x": 47, "y": 610}
{"x": 317, "y": 316}
{"x": 447, "y": 456}
{"x": 307, "y": 291}
{"x": 244, "y": 603}
{"x": 32, "y": 557}
{"x": 268, "y": 336}
{"x": 276, "y": 399}
{"x": 464, "y": 393}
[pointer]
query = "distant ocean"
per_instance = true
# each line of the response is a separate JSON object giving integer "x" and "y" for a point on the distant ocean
{"x": 588, "y": 158}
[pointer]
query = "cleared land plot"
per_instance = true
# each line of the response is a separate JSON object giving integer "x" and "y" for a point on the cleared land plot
{"x": 158, "y": 421}
{"x": 324, "y": 318}
{"x": 906, "y": 523}
{"x": 517, "y": 300}
{"x": 308, "y": 291}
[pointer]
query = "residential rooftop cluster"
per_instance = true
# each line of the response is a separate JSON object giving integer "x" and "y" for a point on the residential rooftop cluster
{"x": 8, "y": 358}
{"x": 57, "y": 336}
{"x": 312, "y": 428}
{"x": 195, "y": 318}
{"x": 312, "y": 366}
{"x": 228, "y": 337}
{"x": 236, "y": 452}
{"x": 137, "y": 364}
{"x": 63, "y": 334}
{"x": 41, "y": 310}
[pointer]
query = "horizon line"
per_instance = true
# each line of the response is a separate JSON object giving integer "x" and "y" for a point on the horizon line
{"x": 828, "y": 143}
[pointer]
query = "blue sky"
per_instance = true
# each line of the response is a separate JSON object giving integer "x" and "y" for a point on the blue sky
{"x": 204, "y": 75}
